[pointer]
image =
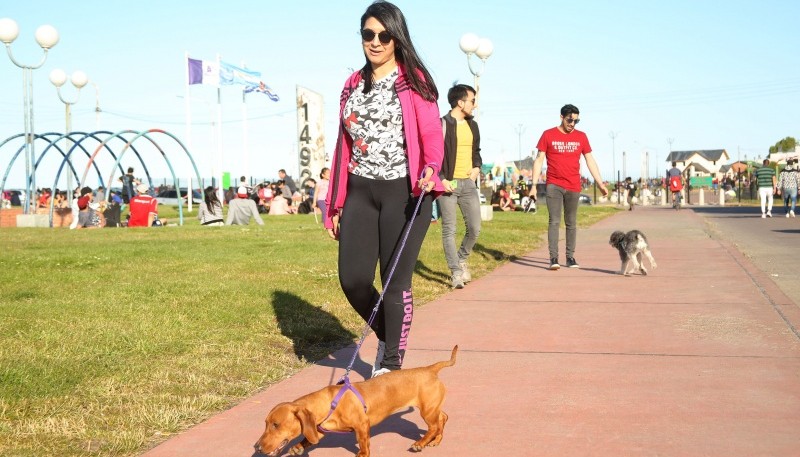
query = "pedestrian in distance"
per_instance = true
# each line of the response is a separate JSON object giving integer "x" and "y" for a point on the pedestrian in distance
{"x": 788, "y": 183}
{"x": 129, "y": 183}
{"x": 389, "y": 152}
{"x": 767, "y": 186}
{"x": 562, "y": 147}
{"x": 675, "y": 185}
{"x": 322, "y": 189}
{"x": 460, "y": 169}
{"x": 630, "y": 191}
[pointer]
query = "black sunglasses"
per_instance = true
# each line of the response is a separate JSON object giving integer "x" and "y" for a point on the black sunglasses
{"x": 369, "y": 35}
{"x": 572, "y": 121}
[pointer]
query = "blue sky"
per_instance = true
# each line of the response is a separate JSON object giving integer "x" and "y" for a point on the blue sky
{"x": 708, "y": 74}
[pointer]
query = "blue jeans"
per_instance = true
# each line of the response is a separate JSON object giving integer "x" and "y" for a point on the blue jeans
{"x": 559, "y": 199}
{"x": 465, "y": 195}
{"x": 789, "y": 194}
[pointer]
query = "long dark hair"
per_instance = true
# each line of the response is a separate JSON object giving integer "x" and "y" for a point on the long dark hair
{"x": 393, "y": 20}
{"x": 211, "y": 198}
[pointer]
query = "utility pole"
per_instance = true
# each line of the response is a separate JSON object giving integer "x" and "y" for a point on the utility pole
{"x": 519, "y": 129}
{"x": 613, "y": 136}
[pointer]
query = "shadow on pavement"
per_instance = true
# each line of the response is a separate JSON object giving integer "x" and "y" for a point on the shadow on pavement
{"x": 395, "y": 423}
{"x": 602, "y": 270}
{"x": 531, "y": 262}
{"x": 493, "y": 253}
{"x": 728, "y": 211}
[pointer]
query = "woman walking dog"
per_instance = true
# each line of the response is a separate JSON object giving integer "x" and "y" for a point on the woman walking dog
{"x": 389, "y": 150}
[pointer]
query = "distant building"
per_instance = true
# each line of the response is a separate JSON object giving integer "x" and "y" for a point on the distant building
{"x": 702, "y": 163}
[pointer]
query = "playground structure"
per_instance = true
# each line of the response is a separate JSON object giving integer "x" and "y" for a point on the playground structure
{"x": 75, "y": 147}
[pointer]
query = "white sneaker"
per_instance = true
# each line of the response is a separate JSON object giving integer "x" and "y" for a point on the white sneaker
{"x": 763, "y": 216}
{"x": 382, "y": 371}
{"x": 457, "y": 281}
{"x": 769, "y": 213}
{"x": 379, "y": 357}
{"x": 465, "y": 274}
{"x": 791, "y": 213}
{"x": 787, "y": 214}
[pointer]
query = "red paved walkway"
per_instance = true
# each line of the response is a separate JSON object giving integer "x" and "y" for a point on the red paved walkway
{"x": 702, "y": 357}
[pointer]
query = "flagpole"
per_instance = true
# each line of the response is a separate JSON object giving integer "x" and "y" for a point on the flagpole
{"x": 245, "y": 150}
{"x": 188, "y": 104}
{"x": 220, "y": 191}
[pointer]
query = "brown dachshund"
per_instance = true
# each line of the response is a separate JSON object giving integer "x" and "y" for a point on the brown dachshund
{"x": 383, "y": 395}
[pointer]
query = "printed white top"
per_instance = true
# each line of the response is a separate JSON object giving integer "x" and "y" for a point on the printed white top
{"x": 375, "y": 122}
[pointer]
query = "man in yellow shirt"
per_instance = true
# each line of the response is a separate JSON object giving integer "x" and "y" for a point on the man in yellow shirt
{"x": 460, "y": 168}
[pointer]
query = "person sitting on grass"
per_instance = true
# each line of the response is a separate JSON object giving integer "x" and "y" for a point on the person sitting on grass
{"x": 210, "y": 211}
{"x": 280, "y": 206}
{"x": 242, "y": 208}
{"x": 501, "y": 201}
{"x": 143, "y": 208}
{"x": 86, "y": 212}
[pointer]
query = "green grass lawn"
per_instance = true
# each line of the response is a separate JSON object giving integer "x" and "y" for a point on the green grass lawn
{"x": 112, "y": 340}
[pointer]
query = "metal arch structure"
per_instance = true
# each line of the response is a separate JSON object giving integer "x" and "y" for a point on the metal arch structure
{"x": 68, "y": 160}
{"x": 129, "y": 144}
{"x": 67, "y": 157}
{"x": 21, "y": 148}
{"x": 104, "y": 144}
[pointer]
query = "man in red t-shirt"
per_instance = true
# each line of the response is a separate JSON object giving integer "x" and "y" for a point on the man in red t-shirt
{"x": 562, "y": 146}
{"x": 144, "y": 208}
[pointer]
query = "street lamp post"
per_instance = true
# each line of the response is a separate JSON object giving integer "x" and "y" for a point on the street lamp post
{"x": 624, "y": 163}
{"x": 614, "y": 176}
{"x": 46, "y": 37}
{"x": 79, "y": 80}
{"x": 482, "y": 47}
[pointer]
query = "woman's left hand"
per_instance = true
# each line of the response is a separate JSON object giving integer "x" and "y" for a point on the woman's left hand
{"x": 425, "y": 182}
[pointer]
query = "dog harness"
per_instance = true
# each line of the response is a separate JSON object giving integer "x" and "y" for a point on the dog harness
{"x": 345, "y": 381}
{"x": 345, "y": 387}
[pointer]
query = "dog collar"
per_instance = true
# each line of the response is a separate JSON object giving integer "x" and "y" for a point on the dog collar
{"x": 346, "y": 386}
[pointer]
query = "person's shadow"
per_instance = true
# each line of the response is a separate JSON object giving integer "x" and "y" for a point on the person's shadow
{"x": 431, "y": 275}
{"x": 485, "y": 252}
{"x": 315, "y": 333}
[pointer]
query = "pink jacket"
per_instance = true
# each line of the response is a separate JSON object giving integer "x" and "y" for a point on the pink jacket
{"x": 424, "y": 143}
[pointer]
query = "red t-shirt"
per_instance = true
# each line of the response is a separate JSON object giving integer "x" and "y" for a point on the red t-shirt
{"x": 563, "y": 153}
{"x": 141, "y": 207}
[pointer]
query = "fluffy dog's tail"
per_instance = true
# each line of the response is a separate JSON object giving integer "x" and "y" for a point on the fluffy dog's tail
{"x": 446, "y": 363}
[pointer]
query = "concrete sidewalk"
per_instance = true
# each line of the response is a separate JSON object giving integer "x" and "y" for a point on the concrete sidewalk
{"x": 701, "y": 357}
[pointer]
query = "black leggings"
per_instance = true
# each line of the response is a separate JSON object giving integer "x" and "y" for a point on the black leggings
{"x": 373, "y": 220}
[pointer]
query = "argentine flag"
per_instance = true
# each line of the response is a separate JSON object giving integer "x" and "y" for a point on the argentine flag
{"x": 230, "y": 74}
{"x": 204, "y": 72}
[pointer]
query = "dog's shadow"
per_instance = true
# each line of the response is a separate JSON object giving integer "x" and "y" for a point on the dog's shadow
{"x": 316, "y": 333}
{"x": 396, "y": 423}
{"x": 602, "y": 270}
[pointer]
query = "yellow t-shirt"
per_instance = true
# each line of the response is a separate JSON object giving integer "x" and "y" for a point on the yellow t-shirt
{"x": 463, "y": 150}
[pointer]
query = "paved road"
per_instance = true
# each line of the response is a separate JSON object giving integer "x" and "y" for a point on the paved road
{"x": 772, "y": 244}
{"x": 699, "y": 358}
